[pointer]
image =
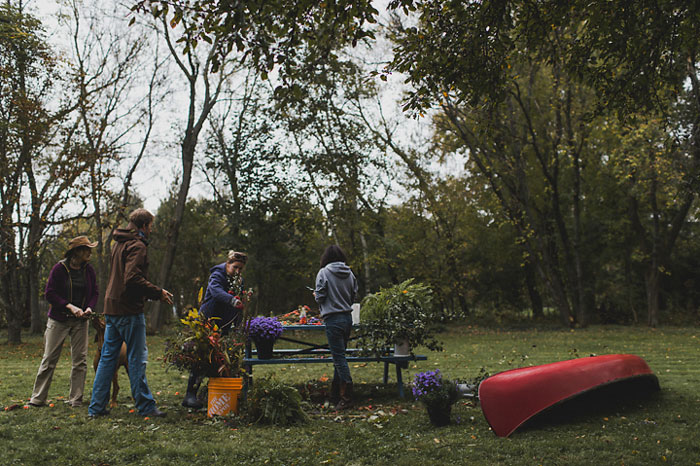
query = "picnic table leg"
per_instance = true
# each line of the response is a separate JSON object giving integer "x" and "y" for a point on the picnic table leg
{"x": 399, "y": 380}
{"x": 386, "y": 372}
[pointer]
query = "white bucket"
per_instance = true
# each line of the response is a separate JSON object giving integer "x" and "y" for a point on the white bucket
{"x": 402, "y": 349}
{"x": 356, "y": 313}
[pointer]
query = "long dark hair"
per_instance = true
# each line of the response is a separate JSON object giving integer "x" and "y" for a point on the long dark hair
{"x": 333, "y": 253}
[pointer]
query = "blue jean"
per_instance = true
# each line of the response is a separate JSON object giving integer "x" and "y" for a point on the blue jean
{"x": 132, "y": 330}
{"x": 338, "y": 328}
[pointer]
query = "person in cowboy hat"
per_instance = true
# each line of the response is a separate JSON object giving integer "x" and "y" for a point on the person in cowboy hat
{"x": 72, "y": 294}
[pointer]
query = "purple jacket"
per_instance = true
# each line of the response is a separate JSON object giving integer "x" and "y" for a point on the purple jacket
{"x": 217, "y": 301}
{"x": 59, "y": 287}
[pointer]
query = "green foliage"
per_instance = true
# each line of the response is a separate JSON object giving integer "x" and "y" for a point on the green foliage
{"x": 627, "y": 52}
{"x": 403, "y": 312}
{"x": 270, "y": 401}
{"x": 271, "y": 32}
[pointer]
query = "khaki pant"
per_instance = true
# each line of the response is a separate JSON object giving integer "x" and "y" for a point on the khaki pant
{"x": 55, "y": 335}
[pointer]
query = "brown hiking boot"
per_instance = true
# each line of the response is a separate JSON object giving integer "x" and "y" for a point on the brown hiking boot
{"x": 346, "y": 396}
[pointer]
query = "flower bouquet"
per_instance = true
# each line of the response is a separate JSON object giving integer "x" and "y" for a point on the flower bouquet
{"x": 236, "y": 289}
{"x": 200, "y": 348}
{"x": 436, "y": 394}
{"x": 264, "y": 331}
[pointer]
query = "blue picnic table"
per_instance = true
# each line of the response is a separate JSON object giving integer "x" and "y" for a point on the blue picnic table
{"x": 318, "y": 353}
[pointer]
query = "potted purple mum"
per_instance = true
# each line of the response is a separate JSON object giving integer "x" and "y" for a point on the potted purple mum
{"x": 264, "y": 331}
{"x": 436, "y": 394}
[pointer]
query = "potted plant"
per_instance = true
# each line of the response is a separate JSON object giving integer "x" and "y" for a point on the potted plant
{"x": 264, "y": 331}
{"x": 200, "y": 347}
{"x": 270, "y": 401}
{"x": 438, "y": 395}
{"x": 401, "y": 314}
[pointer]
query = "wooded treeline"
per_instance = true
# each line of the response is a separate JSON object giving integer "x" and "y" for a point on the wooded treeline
{"x": 526, "y": 160}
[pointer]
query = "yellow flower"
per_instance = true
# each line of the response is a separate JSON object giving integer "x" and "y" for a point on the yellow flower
{"x": 405, "y": 291}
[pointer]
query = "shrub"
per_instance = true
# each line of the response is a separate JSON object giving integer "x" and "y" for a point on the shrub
{"x": 270, "y": 401}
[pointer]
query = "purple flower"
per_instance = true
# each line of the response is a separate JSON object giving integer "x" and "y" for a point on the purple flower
{"x": 429, "y": 388}
{"x": 265, "y": 328}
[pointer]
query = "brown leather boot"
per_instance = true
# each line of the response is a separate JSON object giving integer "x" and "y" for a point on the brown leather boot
{"x": 346, "y": 396}
{"x": 335, "y": 391}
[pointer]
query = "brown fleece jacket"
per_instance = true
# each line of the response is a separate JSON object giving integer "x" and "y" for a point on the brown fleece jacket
{"x": 128, "y": 288}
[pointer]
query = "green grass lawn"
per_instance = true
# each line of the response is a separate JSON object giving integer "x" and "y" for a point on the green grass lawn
{"x": 656, "y": 429}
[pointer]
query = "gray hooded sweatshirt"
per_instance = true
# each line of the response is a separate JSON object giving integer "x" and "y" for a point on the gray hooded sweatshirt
{"x": 336, "y": 288}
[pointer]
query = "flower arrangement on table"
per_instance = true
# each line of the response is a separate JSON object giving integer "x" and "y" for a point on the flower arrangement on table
{"x": 302, "y": 315}
{"x": 264, "y": 329}
{"x": 199, "y": 347}
{"x": 438, "y": 395}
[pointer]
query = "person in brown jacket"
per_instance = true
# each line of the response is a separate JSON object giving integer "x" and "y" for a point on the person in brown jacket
{"x": 127, "y": 291}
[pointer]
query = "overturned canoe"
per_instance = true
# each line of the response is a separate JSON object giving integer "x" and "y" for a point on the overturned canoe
{"x": 510, "y": 398}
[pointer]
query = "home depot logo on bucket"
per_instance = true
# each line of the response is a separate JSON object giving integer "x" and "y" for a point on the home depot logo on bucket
{"x": 220, "y": 404}
{"x": 223, "y": 395}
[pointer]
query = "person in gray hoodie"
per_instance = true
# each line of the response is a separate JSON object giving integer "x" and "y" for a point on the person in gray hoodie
{"x": 336, "y": 289}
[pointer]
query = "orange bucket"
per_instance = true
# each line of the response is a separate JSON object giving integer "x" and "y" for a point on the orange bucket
{"x": 223, "y": 395}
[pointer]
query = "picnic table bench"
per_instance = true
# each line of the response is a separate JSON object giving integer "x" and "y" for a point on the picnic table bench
{"x": 315, "y": 353}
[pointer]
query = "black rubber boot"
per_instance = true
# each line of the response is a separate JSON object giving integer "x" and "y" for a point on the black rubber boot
{"x": 346, "y": 396}
{"x": 191, "y": 400}
{"x": 335, "y": 391}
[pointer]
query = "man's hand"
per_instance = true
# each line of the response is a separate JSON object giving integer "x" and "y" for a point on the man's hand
{"x": 87, "y": 312}
{"x": 166, "y": 296}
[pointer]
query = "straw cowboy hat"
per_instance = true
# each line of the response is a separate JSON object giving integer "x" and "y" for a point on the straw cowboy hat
{"x": 80, "y": 241}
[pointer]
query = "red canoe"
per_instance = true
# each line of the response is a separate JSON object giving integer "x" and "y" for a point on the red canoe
{"x": 510, "y": 398}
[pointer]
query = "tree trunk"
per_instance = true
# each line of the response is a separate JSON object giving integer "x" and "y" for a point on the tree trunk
{"x": 553, "y": 278}
{"x": 535, "y": 297}
{"x": 365, "y": 262}
{"x": 651, "y": 277}
{"x": 629, "y": 285}
{"x": 13, "y": 300}
{"x": 158, "y": 314}
{"x": 37, "y": 323}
